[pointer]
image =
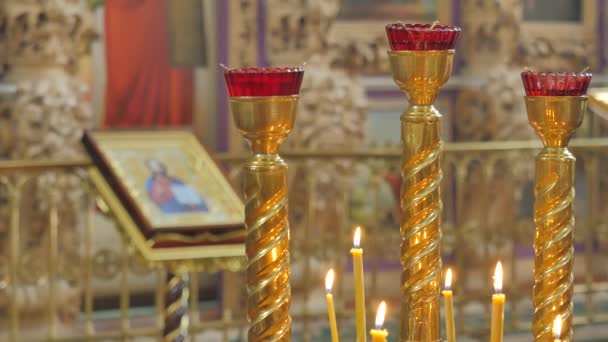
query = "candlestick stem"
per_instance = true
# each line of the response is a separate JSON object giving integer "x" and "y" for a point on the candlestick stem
{"x": 176, "y": 310}
{"x": 420, "y": 74}
{"x": 265, "y": 122}
{"x": 555, "y": 119}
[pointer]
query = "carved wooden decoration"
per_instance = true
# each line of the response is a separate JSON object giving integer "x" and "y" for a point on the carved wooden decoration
{"x": 243, "y": 33}
{"x": 499, "y": 35}
{"x": 45, "y": 119}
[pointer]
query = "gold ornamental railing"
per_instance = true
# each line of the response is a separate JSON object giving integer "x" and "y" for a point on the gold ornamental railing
{"x": 55, "y": 272}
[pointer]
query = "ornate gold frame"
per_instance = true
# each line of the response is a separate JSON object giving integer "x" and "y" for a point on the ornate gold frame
{"x": 102, "y": 146}
{"x": 598, "y": 101}
{"x": 143, "y": 245}
{"x": 367, "y": 33}
{"x": 166, "y": 244}
{"x": 555, "y": 32}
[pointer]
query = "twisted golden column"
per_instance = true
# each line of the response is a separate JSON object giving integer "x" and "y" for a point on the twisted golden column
{"x": 176, "y": 308}
{"x": 420, "y": 75}
{"x": 555, "y": 118}
{"x": 265, "y": 122}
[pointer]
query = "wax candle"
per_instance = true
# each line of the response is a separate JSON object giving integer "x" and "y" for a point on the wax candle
{"x": 378, "y": 334}
{"x": 331, "y": 312}
{"x": 557, "y": 328}
{"x": 357, "y": 254}
{"x": 498, "y": 306}
{"x": 449, "y": 307}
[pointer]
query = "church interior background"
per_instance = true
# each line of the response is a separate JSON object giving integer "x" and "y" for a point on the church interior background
{"x": 67, "y": 273}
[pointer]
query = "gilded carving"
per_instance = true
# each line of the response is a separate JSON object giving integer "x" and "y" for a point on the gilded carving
{"x": 298, "y": 29}
{"x": 490, "y": 112}
{"x": 333, "y": 106}
{"x": 500, "y": 42}
{"x": 243, "y": 34}
{"x": 45, "y": 119}
{"x": 46, "y": 33}
{"x": 498, "y": 35}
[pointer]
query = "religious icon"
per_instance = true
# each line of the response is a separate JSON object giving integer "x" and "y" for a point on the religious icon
{"x": 166, "y": 194}
{"x": 166, "y": 181}
{"x": 169, "y": 193}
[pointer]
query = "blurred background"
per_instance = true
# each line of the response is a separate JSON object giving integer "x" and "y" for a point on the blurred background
{"x": 72, "y": 65}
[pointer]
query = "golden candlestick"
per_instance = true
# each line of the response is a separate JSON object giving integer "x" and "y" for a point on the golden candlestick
{"x": 420, "y": 75}
{"x": 265, "y": 121}
{"x": 555, "y": 118}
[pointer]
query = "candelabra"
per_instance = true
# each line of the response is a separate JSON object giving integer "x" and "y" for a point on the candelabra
{"x": 264, "y": 103}
{"x": 556, "y": 105}
{"x": 421, "y": 63}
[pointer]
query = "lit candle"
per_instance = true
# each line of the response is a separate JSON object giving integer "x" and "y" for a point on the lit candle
{"x": 449, "y": 307}
{"x": 498, "y": 306}
{"x": 357, "y": 254}
{"x": 557, "y": 328}
{"x": 333, "y": 326}
{"x": 379, "y": 334}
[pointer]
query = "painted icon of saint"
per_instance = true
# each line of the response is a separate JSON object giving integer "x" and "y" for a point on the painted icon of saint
{"x": 170, "y": 194}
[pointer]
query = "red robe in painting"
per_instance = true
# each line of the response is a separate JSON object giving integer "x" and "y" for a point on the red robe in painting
{"x": 143, "y": 89}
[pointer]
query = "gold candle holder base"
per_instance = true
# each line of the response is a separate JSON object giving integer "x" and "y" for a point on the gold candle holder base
{"x": 555, "y": 118}
{"x": 265, "y": 123}
{"x": 420, "y": 75}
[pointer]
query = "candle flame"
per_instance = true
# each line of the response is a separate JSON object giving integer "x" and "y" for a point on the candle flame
{"x": 380, "y": 315}
{"x": 557, "y": 327}
{"x": 498, "y": 278}
{"x": 329, "y": 280}
{"x": 357, "y": 238}
{"x": 448, "y": 279}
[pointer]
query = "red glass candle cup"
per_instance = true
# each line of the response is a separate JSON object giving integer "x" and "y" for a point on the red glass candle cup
{"x": 556, "y": 83}
{"x": 264, "y": 81}
{"x": 421, "y": 37}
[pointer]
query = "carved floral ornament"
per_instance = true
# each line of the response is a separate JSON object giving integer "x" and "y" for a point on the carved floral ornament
{"x": 499, "y": 36}
{"x": 45, "y": 118}
{"x": 50, "y": 32}
{"x": 243, "y": 40}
